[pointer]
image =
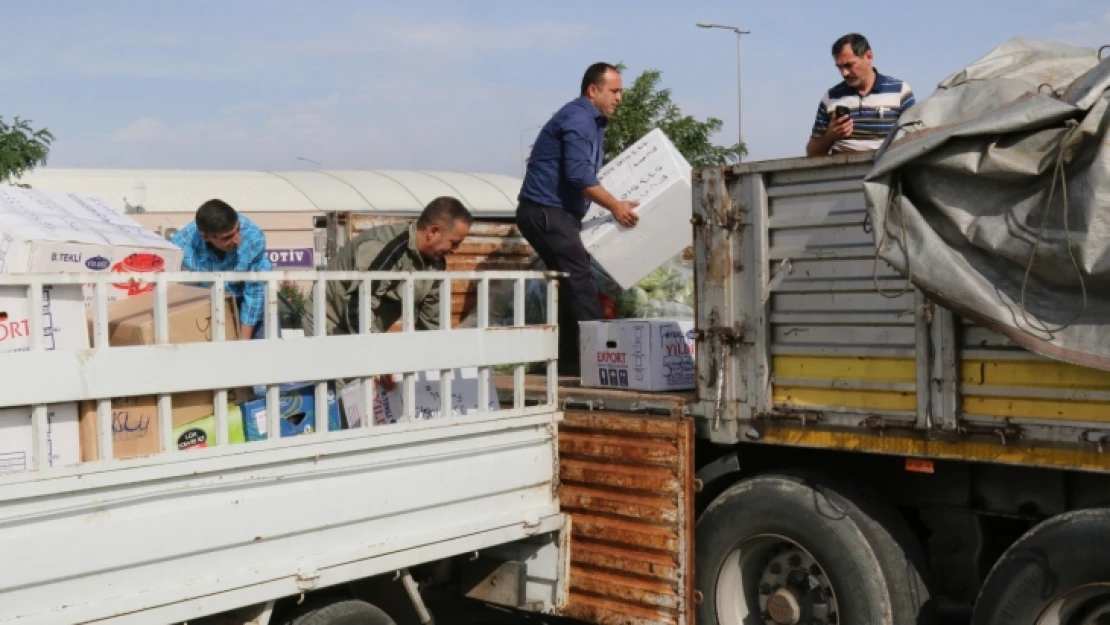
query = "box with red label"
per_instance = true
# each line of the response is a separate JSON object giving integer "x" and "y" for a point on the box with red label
{"x": 63, "y": 319}
{"x": 638, "y": 354}
{"x": 63, "y": 327}
{"x": 52, "y": 232}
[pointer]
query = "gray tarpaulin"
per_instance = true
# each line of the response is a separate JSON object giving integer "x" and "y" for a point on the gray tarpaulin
{"x": 961, "y": 197}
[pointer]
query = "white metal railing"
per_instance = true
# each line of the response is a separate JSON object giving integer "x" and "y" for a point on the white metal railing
{"x": 39, "y": 377}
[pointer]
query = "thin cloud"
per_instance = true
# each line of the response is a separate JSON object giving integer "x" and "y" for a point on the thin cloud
{"x": 1093, "y": 32}
{"x": 454, "y": 38}
{"x": 142, "y": 130}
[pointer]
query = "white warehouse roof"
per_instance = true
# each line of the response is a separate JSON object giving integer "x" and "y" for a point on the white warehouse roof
{"x": 381, "y": 190}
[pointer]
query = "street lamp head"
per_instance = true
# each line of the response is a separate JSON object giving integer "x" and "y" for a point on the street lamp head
{"x": 735, "y": 29}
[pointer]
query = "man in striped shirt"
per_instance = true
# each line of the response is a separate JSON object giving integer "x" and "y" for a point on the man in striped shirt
{"x": 859, "y": 113}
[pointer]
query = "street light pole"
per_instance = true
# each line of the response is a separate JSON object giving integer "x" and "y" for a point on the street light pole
{"x": 739, "y": 72}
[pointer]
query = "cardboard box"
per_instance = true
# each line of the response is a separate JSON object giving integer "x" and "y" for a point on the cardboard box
{"x": 49, "y": 231}
{"x": 202, "y": 432}
{"x": 16, "y": 440}
{"x": 63, "y": 328}
{"x": 135, "y": 423}
{"x": 638, "y": 354}
{"x": 654, "y": 173}
{"x": 389, "y": 405}
{"x": 298, "y": 413}
{"x": 63, "y": 321}
{"x": 131, "y": 321}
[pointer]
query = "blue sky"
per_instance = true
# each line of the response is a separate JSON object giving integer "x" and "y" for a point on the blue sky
{"x": 424, "y": 84}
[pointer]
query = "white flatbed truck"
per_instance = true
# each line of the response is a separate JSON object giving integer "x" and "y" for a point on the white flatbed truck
{"x": 320, "y": 528}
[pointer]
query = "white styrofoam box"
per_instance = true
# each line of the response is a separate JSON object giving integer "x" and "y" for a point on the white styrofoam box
{"x": 64, "y": 322}
{"x": 638, "y": 354}
{"x": 654, "y": 173}
{"x": 62, "y": 437}
{"x": 48, "y": 231}
{"x": 389, "y": 406}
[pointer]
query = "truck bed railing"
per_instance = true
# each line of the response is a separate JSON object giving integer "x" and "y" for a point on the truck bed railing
{"x": 39, "y": 376}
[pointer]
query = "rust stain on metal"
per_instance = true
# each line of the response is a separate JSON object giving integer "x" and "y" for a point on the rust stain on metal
{"x": 651, "y": 451}
{"x": 592, "y": 555}
{"x": 626, "y": 533}
{"x": 595, "y": 610}
{"x": 615, "y": 422}
{"x": 624, "y": 505}
{"x": 648, "y": 479}
{"x": 626, "y": 479}
{"x": 625, "y": 589}
{"x": 627, "y": 483}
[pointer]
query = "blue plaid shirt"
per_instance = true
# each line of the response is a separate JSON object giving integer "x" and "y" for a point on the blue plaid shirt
{"x": 250, "y": 256}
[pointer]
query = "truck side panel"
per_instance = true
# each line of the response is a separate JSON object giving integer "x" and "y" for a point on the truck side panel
{"x": 855, "y": 353}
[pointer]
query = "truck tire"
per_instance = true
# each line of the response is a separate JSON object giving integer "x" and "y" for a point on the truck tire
{"x": 794, "y": 548}
{"x": 1057, "y": 573}
{"x": 338, "y": 611}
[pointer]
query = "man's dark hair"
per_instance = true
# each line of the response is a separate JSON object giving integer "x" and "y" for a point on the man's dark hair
{"x": 216, "y": 217}
{"x": 595, "y": 75}
{"x": 444, "y": 212}
{"x": 858, "y": 42}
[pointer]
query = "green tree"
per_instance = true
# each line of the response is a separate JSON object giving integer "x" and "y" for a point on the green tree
{"x": 646, "y": 107}
{"x": 22, "y": 148}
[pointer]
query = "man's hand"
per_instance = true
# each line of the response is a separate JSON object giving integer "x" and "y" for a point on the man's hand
{"x": 839, "y": 128}
{"x": 622, "y": 210}
{"x": 386, "y": 382}
{"x": 623, "y": 213}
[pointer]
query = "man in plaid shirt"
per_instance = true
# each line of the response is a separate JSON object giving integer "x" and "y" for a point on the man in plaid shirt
{"x": 222, "y": 240}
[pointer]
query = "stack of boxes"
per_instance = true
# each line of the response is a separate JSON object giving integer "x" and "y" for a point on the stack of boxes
{"x": 48, "y": 232}
{"x": 640, "y": 354}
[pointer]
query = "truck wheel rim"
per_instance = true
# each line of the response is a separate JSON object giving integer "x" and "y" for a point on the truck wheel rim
{"x": 1086, "y": 605}
{"x": 777, "y": 580}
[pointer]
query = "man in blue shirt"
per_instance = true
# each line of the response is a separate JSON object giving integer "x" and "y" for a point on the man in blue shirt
{"x": 222, "y": 240}
{"x": 560, "y": 182}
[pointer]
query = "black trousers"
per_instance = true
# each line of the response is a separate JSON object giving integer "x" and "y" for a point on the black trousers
{"x": 555, "y": 234}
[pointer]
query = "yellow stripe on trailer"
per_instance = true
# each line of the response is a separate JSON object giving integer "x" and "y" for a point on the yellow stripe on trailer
{"x": 1034, "y": 408}
{"x": 824, "y": 373}
{"x": 845, "y": 368}
{"x": 1033, "y": 390}
{"x": 1040, "y": 389}
{"x": 897, "y": 445}
{"x": 806, "y": 397}
{"x": 1033, "y": 374}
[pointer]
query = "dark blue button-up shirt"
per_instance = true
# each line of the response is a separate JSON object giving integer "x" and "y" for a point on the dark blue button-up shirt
{"x": 566, "y": 158}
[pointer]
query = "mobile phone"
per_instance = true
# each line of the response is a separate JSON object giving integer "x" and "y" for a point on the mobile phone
{"x": 842, "y": 111}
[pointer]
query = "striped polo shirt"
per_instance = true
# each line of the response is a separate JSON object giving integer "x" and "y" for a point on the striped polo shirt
{"x": 874, "y": 115}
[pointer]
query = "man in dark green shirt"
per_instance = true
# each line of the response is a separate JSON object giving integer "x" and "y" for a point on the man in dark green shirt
{"x": 421, "y": 245}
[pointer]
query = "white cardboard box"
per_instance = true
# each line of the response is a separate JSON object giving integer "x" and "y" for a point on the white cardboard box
{"x": 63, "y": 319}
{"x": 48, "y": 231}
{"x": 389, "y": 405}
{"x": 638, "y": 354}
{"x": 63, "y": 436}
{"x": 654, "y": 173}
